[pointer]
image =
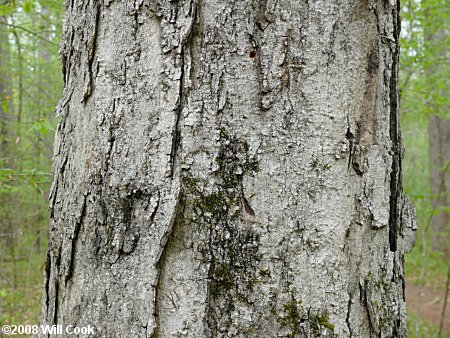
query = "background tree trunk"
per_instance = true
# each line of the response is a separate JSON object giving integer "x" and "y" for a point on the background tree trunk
{"x": 7, "y": 229}
{"x": 229, "y": 168}
{"x": 439, "y": 129}
{"x": 5, "y": 94}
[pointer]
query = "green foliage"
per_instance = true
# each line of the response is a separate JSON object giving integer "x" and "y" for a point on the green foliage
{"x": 42, "y": 125}
{"x": 425, "y": 46}
{"x": 21, "y": 287}
{"x": 424, "y": 87}
{"x": 7, "y": 8}
{"x": 419, "y": 328}
{"x": 28, "y": 6}
{"x": 5, "y": 105}
{"x": 12, "y": 180}
{"x": 425, "y": 84}
{"x": 30, "y": 86}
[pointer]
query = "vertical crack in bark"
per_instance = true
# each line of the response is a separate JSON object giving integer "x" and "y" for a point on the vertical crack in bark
{"x": 366, "y": 304}
{"x": 48, "y": 267}
{"x": 52, "y": 197}
{"x": 351, "y": 144}
{"x": 395, "y": 181}
{"x": 179, "y": 109}
{"x": 347, "y": 318}
{"x": 185, "y": 39}
{"x": 56, "y": 285}
{"x": 56, "y": 302}
{"x": 92, "y": 45}
{"x": 54, "y": 190}
{"x": 63, "y": 165}
{"x": 66, "y": 58}
{"x": 74, "y": 240}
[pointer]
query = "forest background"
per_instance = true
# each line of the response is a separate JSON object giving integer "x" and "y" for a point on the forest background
{"x": 31, "y": 85}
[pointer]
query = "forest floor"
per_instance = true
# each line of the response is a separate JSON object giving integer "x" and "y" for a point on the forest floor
{"x": 425, "y": 303}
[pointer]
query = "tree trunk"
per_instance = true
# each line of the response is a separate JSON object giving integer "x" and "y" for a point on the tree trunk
{"x": 436, "y": 48}
{"x": 5, "y": 93}
{"x": 6, "y": 141}
{"x": 229, "y": 169}
{"x": 439, "y": 130}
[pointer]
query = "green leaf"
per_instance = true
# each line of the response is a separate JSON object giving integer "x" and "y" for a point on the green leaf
{"x": 5, "y": 107}
{"x": 42, "y": 126}
{"x": 6, "y": 8}
{"x": 28, "y": 6}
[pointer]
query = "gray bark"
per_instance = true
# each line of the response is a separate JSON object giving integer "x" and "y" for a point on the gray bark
{"x": 229, "y": 169}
